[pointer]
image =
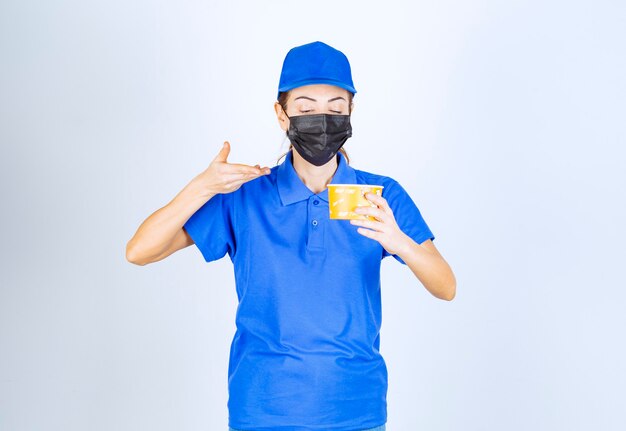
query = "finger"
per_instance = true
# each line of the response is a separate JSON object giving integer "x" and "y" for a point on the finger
{"x": 223, "y": 154}
{"x": 369, "y": 233}
{"x": 370, "y": 224}
{"x": 264, "y": 170}
{"x": 235, "y": 168}
{"x": 372, "y": 211}
{"x": 241, "y": 168}
{"x": 235, "y": 176}
{"x": 241, "y": 176}
{"x": 380, "y": 201}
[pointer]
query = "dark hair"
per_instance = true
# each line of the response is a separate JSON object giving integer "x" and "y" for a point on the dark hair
{"x": 282, "y": 100}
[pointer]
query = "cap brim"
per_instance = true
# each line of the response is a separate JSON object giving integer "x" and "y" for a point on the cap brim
{"x": 291, "y": 86}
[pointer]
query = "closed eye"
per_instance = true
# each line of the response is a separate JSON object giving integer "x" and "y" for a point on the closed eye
{"x": 304, "y": 111}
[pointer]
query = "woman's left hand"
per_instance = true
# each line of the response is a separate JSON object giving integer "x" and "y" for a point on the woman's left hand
{"x": 384, "y": 229}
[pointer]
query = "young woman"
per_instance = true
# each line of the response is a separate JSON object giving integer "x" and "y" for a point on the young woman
{"x": 305, "y": 355}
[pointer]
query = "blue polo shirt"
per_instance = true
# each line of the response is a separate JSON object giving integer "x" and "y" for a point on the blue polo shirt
{"x": 305, "y": 354}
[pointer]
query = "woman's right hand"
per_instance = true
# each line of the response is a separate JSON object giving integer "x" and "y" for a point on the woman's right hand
{"x": 224, "y": 177}
{"x": 162, "y": 233}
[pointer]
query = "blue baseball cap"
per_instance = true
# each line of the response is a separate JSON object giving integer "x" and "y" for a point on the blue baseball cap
{"x": 315, "y": 63}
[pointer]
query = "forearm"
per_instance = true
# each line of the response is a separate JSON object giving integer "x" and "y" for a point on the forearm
{"x": 156, "y": 233}
{"x": 430, "y": 268}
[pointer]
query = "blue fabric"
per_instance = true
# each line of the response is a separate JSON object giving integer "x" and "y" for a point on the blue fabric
{"x": 380, "y": 428}
{"x": 315, "y": 63}
{"x": 305, "y": 355}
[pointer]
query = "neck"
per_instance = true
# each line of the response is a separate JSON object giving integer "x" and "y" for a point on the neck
{"x": 316, "y": 178}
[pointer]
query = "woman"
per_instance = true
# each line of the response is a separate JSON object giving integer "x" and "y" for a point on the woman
{"x": 305, "y": 355}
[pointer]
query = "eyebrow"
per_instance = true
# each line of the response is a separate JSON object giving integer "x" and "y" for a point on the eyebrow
{"x": 313, "y": 100}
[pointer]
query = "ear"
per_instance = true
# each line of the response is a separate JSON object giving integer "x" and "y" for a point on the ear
{"x": 351, "y": 107}
{"x": 283, "y": 121}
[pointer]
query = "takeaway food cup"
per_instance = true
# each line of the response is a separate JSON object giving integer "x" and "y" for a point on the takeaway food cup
{"x": 343, "y": 199}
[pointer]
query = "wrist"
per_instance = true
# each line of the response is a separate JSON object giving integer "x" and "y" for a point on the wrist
{"x": 192, "y": 196}
{"x": 198, "y": 189}
{"x": 406, "y": 246}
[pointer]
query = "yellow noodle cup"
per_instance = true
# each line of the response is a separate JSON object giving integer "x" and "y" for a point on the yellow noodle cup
{"x": 343, "y": 199}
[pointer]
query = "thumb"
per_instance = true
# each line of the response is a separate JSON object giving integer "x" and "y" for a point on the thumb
{"x": 223, "y": 154}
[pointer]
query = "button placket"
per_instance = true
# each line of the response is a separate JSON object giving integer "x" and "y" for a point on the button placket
{"x": 317, "y": 212}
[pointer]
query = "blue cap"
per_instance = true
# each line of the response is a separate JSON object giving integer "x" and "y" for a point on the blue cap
{"x": 315, "y": 63}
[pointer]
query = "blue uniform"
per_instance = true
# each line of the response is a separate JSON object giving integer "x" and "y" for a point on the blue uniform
{"x": 305, "y": 355}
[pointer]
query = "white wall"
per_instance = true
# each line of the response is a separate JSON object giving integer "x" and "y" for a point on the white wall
{"x": 504, "y": 121}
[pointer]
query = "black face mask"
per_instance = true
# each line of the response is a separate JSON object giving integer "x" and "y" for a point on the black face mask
{"x": 318, "y": 138}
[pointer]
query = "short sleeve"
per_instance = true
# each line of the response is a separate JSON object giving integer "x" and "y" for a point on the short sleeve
{"x": 407, "y": 215}
{"x": 211, "y": 229}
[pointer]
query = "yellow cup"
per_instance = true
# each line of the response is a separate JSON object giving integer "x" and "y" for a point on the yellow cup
{"x": 343, "y": 199}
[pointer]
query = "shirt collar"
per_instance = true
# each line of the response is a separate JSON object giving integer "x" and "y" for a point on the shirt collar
{"x": 291, "y": 188}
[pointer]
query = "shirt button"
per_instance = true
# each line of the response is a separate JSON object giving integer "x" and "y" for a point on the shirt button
{"x": 314, "y": 222}
{"x": 316, "y": 202}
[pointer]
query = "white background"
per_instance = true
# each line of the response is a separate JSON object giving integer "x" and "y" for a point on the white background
{"x": 504, "y": 120}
